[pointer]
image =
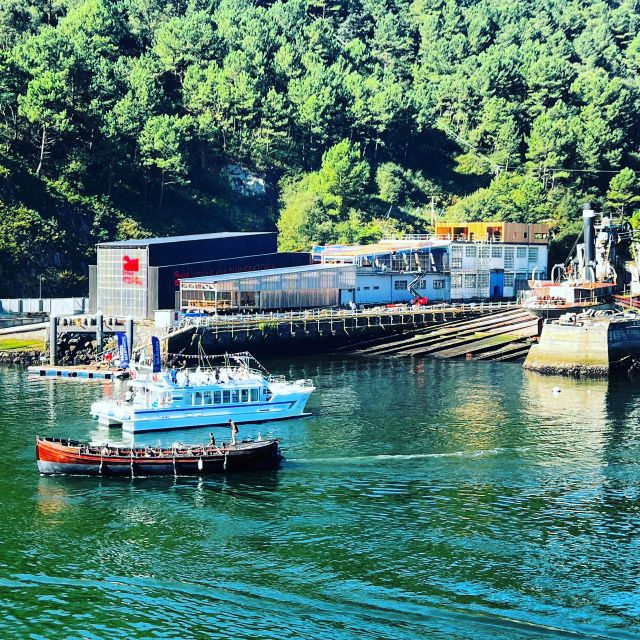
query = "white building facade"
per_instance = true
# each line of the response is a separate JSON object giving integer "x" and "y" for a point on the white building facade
{"x": 494, "y": 270}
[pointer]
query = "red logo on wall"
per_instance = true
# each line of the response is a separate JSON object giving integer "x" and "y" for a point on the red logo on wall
{"x": 130, "y": 267}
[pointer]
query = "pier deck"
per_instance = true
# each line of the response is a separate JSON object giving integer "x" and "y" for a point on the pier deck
{"x": 321, "y": 329}
{"x": 86, "y": 372}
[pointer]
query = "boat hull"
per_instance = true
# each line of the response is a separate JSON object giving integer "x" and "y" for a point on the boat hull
{"x": 56, "y": 458}
{"x": 145, "y": 420}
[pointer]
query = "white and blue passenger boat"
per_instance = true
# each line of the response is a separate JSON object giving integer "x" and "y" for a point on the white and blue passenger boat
{"x": 239, "y": 389}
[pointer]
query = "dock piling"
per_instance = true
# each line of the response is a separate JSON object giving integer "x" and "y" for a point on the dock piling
{"x": 53, "y": 339}
{"x": 129, "y": 333}
{"x": 99, "y": 334}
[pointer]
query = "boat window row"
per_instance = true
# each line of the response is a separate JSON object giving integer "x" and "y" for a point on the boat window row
{"x": 226, "y": 396}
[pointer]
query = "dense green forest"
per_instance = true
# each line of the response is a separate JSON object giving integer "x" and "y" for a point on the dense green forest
{"x": 121, "y": 118}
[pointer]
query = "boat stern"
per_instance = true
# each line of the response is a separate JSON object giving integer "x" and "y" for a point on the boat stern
{"x": 111, "y": 414}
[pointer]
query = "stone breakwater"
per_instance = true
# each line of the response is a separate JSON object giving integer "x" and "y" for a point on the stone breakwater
{"x": 76, "y": 348}
{"x": 26, "y": 358}
{"x": 72, "y": 349}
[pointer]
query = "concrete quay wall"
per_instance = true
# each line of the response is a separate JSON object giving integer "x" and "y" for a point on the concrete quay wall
{"x": 589, "y": 348}
{"x": 570, "y": 350}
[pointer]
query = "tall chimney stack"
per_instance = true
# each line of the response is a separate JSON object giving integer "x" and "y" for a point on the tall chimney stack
{"x": 588, "y": 215}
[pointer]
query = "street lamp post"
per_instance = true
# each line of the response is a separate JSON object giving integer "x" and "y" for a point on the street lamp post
{"x": 40, "y": 279}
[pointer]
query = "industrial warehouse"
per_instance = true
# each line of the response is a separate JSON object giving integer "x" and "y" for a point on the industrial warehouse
{"x": 224, "y": 272}
{"x": 137, "y": 277}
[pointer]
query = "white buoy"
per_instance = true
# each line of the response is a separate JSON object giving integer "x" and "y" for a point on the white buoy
{"x": 556, "y": 390}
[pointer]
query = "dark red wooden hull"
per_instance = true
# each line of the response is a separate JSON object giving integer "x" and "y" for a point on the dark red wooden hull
{"x": 69, "y": 457}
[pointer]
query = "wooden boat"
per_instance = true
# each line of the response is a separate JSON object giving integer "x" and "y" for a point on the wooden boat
{"x": 71, "y": 457}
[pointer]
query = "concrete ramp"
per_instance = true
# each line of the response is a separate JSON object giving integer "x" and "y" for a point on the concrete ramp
{"x": 470, "y": 338}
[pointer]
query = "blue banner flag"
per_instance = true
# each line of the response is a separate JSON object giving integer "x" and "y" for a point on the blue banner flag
{"x": 155, "y": 345}
{"x": 123, "y": 350}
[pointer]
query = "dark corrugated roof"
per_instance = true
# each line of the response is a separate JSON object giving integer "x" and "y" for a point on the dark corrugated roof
{"x": 143, "y": 242}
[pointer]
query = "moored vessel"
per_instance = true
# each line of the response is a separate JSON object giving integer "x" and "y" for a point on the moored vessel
{"x": 552, "y": 299}
{"x": 56, "y": 456}
{"x": 233, "y": 386}
{"x": 588, "y": 283}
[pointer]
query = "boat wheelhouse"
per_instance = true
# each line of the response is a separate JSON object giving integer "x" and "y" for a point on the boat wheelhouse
{"x": 238, "y": 389}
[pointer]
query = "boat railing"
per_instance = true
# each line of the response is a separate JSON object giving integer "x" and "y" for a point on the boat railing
{"x": 148, "y": 451}
{"x": 304, "y": 382}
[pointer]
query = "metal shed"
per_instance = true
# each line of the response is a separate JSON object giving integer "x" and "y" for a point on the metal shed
{"x": 316, "y": 285}
{"x": 137, "y": 277}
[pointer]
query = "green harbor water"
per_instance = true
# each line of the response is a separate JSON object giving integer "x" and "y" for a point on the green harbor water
{"x": 423, "y": 499}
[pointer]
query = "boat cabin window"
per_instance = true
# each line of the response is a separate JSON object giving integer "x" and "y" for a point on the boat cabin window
{"x": 244, "y": 395}
{"x": 254, "y": 395}
{"x": 235, "y": 395}
{"x": 226, "y": 396}
{"x": 217, "y": 397}
{"x": 198, "y": 398}
{"x": 207, "y": 397}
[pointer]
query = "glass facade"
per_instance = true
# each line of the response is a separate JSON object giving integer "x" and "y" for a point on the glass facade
{"x": 286, "y": 288}
{"x": 122, "y": 281}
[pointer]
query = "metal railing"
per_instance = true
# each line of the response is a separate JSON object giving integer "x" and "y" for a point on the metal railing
{"x": 261, "y": 320}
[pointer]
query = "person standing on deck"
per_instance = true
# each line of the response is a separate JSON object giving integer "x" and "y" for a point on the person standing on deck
{"x": 234, "y": 430}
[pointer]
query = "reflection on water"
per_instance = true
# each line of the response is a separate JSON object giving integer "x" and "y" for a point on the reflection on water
{"x": 423, "y": 499}
{"x": 574, "y": 398}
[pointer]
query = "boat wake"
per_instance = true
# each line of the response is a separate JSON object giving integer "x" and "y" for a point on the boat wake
{"x": 478, "y": 453}
{"x": 372, "y": 610}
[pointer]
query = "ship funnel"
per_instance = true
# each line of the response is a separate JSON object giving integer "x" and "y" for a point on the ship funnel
{"x": 588, "y": 215}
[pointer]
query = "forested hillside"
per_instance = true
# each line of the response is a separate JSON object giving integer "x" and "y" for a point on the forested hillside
{"x": 120, "y": 118}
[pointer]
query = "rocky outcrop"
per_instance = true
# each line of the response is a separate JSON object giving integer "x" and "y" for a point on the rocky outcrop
{"x": 243, "y": 182}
